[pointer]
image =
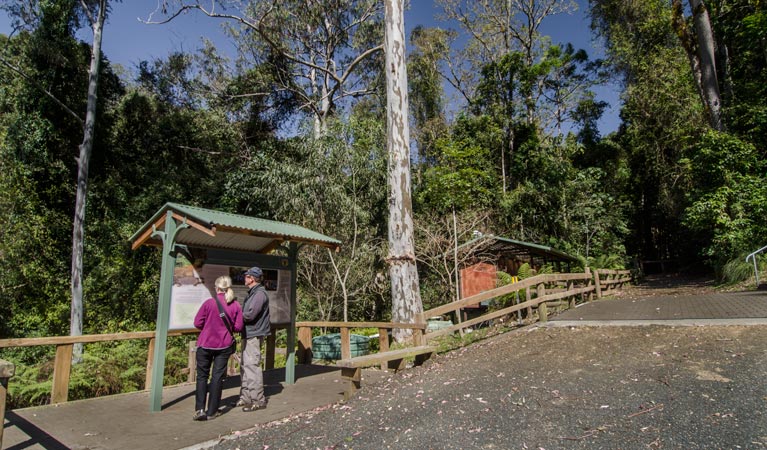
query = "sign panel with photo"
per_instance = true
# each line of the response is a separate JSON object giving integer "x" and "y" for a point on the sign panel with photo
{"x": 193, "y": 283}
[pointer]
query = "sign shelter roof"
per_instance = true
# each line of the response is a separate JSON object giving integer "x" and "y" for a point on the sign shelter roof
{"x": 217, "y": 229}
{"x": 176, "y": 226}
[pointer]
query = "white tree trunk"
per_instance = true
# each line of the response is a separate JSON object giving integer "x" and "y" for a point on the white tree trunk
{"x": 405, "y": 288}
{"x": 76, "y": 317}
{"x": 704, "y": 35}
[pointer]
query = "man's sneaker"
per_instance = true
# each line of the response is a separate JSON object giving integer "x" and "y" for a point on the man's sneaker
{"x": 254, "y": 407}
{"x": 200, "y": 415}
{"x": 240, "y": 402}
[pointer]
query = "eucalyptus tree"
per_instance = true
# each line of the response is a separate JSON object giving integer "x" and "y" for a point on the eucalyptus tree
{"x": 94, "y": 11}
{"x": 405, "y": 287}
{"x": 319, "y": 48}
{"x": 699, "y": 45}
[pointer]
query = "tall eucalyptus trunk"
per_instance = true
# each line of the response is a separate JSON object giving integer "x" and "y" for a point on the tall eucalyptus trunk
{"x": 699, "y": 45}
{"x": 405, "y": 288}
{"x": 706, "y": 55}
{"x": 76, "y": 317}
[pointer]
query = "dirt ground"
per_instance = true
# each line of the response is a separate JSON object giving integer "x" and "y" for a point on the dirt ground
{"x": 642, "y": 387}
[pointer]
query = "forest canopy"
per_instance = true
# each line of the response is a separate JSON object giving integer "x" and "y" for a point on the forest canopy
{"x": 518, "y": 154}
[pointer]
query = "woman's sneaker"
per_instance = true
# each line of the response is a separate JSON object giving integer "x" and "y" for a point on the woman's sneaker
{"x": 200, "y": 415}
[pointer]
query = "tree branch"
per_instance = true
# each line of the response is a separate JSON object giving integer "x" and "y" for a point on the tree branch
{"x": 41, "y": 88}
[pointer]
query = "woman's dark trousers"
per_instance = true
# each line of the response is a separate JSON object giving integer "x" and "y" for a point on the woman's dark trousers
{"x": 219, "y": 359}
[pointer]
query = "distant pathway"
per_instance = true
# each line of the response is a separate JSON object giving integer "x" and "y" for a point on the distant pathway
{"x": 667, "y": 300}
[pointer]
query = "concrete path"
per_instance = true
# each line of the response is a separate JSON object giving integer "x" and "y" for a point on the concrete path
{"x": 736, "y": 308}
{"x": 125, "y": 422}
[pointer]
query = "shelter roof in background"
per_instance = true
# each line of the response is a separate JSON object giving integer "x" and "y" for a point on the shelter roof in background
{"x": 216, "y": 229}
{"x": 509, "y": 247}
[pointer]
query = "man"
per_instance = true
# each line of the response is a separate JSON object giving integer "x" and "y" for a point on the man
{"x": 255, "y": 313}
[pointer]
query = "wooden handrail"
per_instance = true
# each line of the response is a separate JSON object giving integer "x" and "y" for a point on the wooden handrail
{"x": 87, "y": 338}
{"x": 348, "y": 325}
{"x": 62, "y": 365}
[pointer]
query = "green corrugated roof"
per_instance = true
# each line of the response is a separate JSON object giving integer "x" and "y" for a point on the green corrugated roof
{"x": 540, "y": 250}
{"x": 234, "y": 231}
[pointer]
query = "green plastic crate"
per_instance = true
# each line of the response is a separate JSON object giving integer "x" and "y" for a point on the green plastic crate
{"x": 328, "y": 346}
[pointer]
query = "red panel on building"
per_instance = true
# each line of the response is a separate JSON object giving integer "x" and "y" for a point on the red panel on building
{"x": 477, "y": 278}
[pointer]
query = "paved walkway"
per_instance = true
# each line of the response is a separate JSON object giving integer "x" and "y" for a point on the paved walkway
{"x": 736, "y": 308}
{"x": 124, "y": 421}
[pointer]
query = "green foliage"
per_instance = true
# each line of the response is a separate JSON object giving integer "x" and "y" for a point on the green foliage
{"x": 738, "y": 269}
{"x": 107, "y": 368}
{"x": 525, "y": 271}
{"x": 502, "y": 279}
{"x": 615, "y": 262}
{"x": 729, "y": 194}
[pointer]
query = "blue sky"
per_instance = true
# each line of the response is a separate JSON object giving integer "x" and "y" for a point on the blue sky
{"x": 127, "y": 40}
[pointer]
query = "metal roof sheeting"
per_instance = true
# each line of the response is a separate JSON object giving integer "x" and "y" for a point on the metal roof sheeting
{"x": 498, "y": 245}
{"x": 217, "y": 229}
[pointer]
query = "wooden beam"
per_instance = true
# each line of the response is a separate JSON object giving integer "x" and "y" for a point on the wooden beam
{"x": 159, "y": 224}
{"x": 210, "y": 231}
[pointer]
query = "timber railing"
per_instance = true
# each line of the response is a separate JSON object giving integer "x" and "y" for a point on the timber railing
{"x": 539, "y": 293}
{"x": 305, "y": 333}
{"x": 62, "y": 365}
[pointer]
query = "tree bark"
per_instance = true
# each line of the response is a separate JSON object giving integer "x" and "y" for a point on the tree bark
{"x": 405, "y": 288}
{"x": 76, "y": 316}
{"x": 709, "y": 83}
{"x": 700, "y": 52}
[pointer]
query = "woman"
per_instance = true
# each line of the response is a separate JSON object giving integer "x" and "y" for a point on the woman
{"x": 214, "y": 345}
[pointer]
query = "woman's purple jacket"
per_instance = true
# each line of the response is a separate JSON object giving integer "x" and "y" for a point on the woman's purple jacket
{"x": 214, "y": 334}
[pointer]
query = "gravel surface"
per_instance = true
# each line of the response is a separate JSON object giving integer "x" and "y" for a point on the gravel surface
{"x": 549, "y": 388}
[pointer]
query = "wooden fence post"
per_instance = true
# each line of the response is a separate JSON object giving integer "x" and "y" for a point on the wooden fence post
{"x": 571, "y": 302}
{"x": 149, "y": 360}
{"x": 596, "y": 284}
{"x": 7, "y": 370}
{"x": 383, "y": 343}
{"x": 62, "y": 367}
{"x": 271, "y": 348}
{"x": 191, "y": 362}
{"x": 528, "y": 297}
{"x": 542, "y": 309}
{"x": 346, "y": 347}
{"x": 304, "y": 345}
